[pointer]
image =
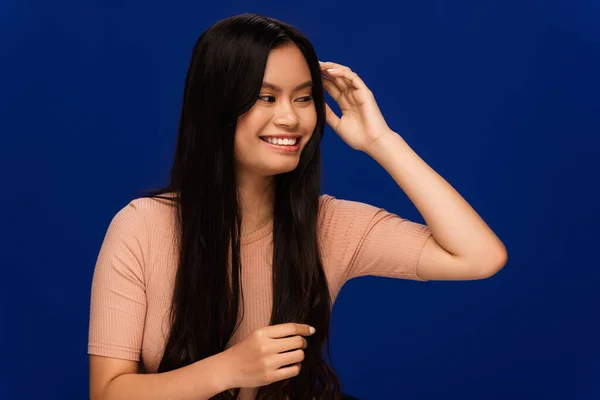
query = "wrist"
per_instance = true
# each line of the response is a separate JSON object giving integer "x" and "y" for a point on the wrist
{"x": 381, "y": 143}
{"x": 223, "y": 370}
{"x": 216, "y": 371}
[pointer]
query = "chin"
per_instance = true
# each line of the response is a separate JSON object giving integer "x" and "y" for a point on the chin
{"x": 281, "y": 168}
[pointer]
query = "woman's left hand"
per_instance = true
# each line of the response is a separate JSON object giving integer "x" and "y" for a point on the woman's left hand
{"x": 361, "y": 123}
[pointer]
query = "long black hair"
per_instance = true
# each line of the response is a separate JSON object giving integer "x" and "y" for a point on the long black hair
{"x": 223, "y": 82}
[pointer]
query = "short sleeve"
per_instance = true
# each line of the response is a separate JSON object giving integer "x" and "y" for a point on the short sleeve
{"x": 366, "y": 240}
{"x": 118, "y": 299}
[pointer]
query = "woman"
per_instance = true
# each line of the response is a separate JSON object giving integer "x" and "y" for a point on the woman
{"x": 225, "y": 279}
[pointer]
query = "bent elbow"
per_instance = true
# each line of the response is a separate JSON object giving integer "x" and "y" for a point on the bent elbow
{"x": 494, "y": 264}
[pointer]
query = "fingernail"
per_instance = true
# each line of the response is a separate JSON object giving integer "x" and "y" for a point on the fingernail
{"x": 312, "y": 330}
{"x": 332, "y": 70}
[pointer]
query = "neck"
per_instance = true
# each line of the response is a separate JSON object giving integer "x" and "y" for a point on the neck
{"x": 256, "y": 196}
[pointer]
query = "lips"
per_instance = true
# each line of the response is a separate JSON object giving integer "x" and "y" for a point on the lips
{"x": 286, "y": 144}
{"x": 280, "y": 140}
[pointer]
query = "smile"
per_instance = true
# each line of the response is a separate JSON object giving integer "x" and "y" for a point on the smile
{"x": 280, "y": 141}
{"x": 286, "y": 145}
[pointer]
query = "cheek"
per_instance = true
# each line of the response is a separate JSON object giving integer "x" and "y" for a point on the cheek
{"x": 253, "y": 122}
{"x": 250, "y": 126}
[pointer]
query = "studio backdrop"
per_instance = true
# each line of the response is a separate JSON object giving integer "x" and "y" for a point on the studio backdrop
{"x": 500, "y": 97}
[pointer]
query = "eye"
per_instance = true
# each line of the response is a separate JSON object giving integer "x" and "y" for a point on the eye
{"x": 268, "y": 99}
{"x": 305, "y": 99}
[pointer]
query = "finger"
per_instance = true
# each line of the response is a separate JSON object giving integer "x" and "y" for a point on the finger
{"x": 284, "y": 359}
{"x": 286, "y": 372}
{"x": 332, "y": 89}
{"x": 290, "y": 343}
{"x": 328, "y": 64}
{"x": 289, "y": 329}
{"x": 339, "y": 81}
{"x": 349, "y": 76}
{"x": 330, "y": 117}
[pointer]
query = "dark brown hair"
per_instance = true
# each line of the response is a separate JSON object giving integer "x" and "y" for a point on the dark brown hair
{"x": 223, "y": 83}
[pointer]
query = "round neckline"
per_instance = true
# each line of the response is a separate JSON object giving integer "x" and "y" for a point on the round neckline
{"x": 257, "y": 234}
{"x": 247, "y": 238}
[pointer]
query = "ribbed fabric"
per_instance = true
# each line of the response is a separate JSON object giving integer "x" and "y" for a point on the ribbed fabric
{"x": 134, "y": 275}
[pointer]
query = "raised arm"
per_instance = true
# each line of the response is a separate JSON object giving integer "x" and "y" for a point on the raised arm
{"x": 462, "y": 246}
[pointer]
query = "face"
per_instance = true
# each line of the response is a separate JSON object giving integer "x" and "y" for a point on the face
{"x": 271, "y": 136}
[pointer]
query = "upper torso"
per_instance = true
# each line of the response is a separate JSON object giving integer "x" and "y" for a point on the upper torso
{"x": 135, "y": 272}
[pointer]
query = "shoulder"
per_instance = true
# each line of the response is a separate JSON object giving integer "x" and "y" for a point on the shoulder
{"x": 142, "y": 217}
{"x": 152, "y": 209}
{"x": 333, "y": 208}
{"x": 344, "y": 221}
{"x": 342, "y": 226}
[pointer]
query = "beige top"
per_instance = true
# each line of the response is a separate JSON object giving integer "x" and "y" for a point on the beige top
{"x": 134, "y": 275}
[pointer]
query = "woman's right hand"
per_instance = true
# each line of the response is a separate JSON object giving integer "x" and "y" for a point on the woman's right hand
{"x": 267, "y": 355}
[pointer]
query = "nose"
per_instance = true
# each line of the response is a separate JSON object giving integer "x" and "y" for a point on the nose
{"x": 285, "y": 115}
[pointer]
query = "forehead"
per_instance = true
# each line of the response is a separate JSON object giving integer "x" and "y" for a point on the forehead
{"x": 286, "y": 67}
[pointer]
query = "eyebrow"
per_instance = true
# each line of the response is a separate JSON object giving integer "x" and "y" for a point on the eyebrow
{"x": 278, "y": 89}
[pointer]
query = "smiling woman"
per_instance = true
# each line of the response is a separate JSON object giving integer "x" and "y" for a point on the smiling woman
{"x": 222, "y": 283}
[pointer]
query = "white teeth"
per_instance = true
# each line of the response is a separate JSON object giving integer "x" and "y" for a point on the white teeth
{"x": 282, "y": 142}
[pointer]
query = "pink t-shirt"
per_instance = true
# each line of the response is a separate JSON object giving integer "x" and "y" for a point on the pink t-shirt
{"x": 135, "y": 272}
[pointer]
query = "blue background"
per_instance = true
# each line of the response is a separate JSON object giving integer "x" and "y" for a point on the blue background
{"x": 502, "y": 98}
